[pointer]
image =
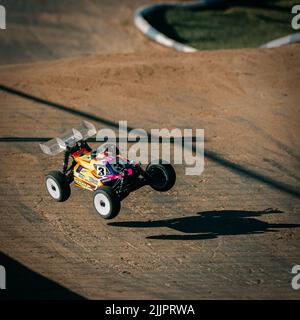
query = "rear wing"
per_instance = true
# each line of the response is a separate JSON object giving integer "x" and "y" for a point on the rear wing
{"x": 68, "y": 139}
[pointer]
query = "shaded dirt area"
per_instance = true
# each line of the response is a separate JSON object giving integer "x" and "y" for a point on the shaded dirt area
{"x": 43, "y": 30}
{"x": 232, "y": 232}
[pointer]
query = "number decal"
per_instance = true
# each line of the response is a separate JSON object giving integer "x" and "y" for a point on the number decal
{"x": 101, "y": 170}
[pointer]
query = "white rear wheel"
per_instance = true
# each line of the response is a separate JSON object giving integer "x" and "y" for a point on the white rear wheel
{"x": 53, "y": 188}
{"x": 57, "y": 186}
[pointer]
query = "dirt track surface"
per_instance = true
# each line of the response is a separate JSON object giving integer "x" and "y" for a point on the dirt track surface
{"x": 232, "y": 232}
{"x": 40, "y": 30}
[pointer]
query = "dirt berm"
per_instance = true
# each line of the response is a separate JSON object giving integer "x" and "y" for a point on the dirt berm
{"x": 232, "y": 232}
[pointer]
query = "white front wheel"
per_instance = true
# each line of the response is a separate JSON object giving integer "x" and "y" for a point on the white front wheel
{"x": 106, "y": 203}
{"x": 102, "y": 204}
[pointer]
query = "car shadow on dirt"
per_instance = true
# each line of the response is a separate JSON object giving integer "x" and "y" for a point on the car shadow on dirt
{"x": 211, "y": 224}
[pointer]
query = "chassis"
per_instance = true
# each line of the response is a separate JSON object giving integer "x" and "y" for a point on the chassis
{"x": 104, "y": 171}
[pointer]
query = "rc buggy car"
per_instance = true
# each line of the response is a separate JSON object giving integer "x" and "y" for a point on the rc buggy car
{"x": 104, "y": 171}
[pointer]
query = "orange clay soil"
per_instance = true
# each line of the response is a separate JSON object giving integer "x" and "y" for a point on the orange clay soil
{"x": 232, "y": 232}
